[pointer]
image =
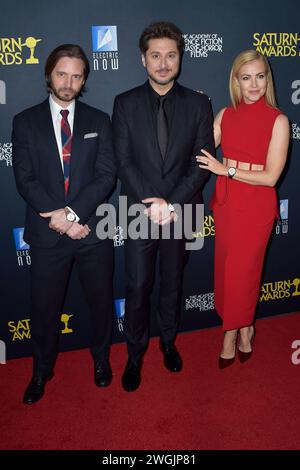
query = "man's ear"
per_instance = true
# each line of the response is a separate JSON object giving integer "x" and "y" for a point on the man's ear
{"x": 144, "y": 60}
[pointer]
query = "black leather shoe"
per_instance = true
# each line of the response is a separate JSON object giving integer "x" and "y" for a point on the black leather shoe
{"x": 131, "y": 377}
{"x": 35, "y": 390}
{"x": 103, "y": 374}
{"x": 172, "y": 359}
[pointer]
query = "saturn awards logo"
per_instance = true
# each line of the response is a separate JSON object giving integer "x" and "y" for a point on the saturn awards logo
{"x": 277, "y": 44}
{"x": 105, "y": 48}
{"x": 208, "y": 229}
{"x": 279, "y": 290}
{"x": 20, "y": 329}
{"x": 13, "y": 51}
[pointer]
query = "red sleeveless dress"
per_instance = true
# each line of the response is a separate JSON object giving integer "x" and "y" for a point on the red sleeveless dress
{"x": 244, "y": 214}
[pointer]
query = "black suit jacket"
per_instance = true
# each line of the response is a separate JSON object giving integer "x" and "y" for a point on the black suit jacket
{"x": 38, "y": 170}
{"x": 141, "y": 169}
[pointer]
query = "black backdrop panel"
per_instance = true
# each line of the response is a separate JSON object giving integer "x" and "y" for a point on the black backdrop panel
{"x": 215, "y": 32}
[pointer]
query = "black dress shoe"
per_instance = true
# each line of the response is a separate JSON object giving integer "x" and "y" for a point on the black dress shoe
{"x": 35, "y": 390}
{"x": 172, "y": 359}
{"x": 103, "y": 374}
{"x": 131, "y": 377}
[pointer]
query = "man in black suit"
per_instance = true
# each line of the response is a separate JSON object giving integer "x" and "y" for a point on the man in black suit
{"x": 64, "y": 168}
{"x": 158, "y": 130}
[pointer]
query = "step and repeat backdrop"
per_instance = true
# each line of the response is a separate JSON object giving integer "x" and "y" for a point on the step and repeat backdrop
{"x": 215, "y": 32}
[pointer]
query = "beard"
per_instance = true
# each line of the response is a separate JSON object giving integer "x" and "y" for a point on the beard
{"x": 65, "y": 94}
{"x": 163, "y": 81}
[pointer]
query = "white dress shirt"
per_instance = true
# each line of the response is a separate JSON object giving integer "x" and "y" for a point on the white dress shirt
{"x": 55, "y": 109}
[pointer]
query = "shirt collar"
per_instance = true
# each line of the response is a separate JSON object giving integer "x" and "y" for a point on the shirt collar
{"x": 56, "y": 108}
{"x": 154, "y": 95}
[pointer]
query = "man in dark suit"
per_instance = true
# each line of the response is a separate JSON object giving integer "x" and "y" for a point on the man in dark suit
{"x": 158, "y": 130}
{"x": 64, "y": 168}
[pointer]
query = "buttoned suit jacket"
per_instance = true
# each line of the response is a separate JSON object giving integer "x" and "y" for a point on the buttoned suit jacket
{"x": 142, "y": 170}
{"x": 39, "y": 175}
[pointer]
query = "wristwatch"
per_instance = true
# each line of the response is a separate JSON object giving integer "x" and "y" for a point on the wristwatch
{"x": 171, "y": 207}
{"x": 70, "y": 215}
{"x": 231, "y": 172}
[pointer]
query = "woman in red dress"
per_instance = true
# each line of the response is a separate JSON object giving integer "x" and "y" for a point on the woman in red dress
{"x": 254, "y": 137}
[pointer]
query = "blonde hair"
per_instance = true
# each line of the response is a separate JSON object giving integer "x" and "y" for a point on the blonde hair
{"x": 241, "y": 59}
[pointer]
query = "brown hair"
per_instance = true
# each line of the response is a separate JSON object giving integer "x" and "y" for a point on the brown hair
{"x": 66, "y": 50}
{"x": 161, "y": 29}
{"x": 241, "y": 59}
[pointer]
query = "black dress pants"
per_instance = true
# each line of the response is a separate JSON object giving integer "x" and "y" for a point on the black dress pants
{"x": 50, "y": 272}
{"x": 140, "y": 260}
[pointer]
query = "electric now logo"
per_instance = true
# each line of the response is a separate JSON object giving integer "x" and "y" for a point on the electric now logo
{"x": 120, "y": 312}
{"x": 105, "y": 48}
{"x": 19, "y": 241}
{"x": 22, "y": 248}
{"x": 104, "y": 38}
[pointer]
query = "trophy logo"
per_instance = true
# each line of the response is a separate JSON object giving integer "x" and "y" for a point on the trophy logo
{"x": 31, "y": 44}
{"x": 65, "y": 319}
{"x": 296, "y": 283}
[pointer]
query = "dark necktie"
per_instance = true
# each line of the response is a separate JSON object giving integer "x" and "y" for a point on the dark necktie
{"x": 66, "y": 142}
{"x": 162, "y": 126}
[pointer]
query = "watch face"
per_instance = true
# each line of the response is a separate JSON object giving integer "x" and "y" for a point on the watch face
{"x": 231, "y": 171}
{"x": 70, "y": 217}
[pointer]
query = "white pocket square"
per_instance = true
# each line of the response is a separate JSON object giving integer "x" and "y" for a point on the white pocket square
{"x": 91, "y": 135}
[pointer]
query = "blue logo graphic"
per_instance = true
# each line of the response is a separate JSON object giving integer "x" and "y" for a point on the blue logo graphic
{"x": 19, "y": 241}
{"x": 104, "y": 38}
{"x": 120, "y": 308}
{"x": 284, "y": 209}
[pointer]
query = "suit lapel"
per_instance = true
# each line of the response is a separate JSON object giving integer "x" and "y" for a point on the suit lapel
{"x": 45, "y": 129}
{"x": 176, "y": 124}
{"x": 146, "y": 120}
{"x": 78, "y": 127}
{"x": 172, "y": 128}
